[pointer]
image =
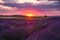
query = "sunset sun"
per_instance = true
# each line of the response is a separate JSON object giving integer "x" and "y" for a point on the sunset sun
{"x": 29, "y": 15}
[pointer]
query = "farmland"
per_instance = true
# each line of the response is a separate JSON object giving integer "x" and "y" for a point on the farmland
{"x": 38, "y": 28}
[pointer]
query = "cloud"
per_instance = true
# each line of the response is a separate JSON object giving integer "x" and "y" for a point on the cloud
{"x": 9, "y": 1}
{"x": 7, "y": 7}
{"x": 30, "y": 1}
{"x": 21, "y": 5}
{"x": 1, "y": 1}
{"x": 47, "y": 8}
{"x": 7, "y": 10}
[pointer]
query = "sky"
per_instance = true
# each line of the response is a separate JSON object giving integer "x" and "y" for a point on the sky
{"x": 36, "y": 7}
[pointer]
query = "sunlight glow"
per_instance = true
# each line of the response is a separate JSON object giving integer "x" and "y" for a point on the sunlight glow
{"x": 29, "y": 15}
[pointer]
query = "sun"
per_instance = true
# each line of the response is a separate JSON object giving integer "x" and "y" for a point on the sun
{"x": 29, "y": 15}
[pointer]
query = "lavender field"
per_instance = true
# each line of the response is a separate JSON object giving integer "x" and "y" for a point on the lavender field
{"x": 17, "y": 29}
